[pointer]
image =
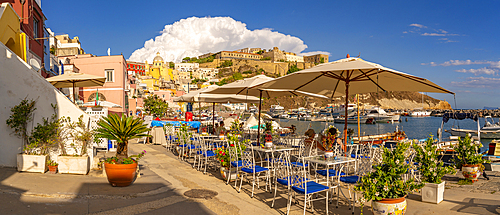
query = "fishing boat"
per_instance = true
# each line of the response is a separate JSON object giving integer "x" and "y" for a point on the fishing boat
{"x": 490, "y": 130}
{"x": 380, "y": 138}
{"x": 354, "y": 120}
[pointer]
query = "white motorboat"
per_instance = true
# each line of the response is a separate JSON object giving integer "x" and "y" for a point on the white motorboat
{"x": 277, "y": 111}
{"x": 420, "y": 113}
{"x": 380, "y": 115}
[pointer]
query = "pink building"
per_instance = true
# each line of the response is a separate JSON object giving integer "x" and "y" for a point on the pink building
{"x": 114, "y": 68}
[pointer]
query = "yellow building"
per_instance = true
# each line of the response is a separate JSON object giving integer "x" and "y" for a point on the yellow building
{"x": 158, "y": 70}
{"x": 10, "y": 32}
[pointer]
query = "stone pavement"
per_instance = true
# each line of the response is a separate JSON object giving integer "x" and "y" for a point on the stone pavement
{"x": 164, "y": 180}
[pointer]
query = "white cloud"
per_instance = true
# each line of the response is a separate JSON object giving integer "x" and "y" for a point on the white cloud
{"x": 195, "y": 36}
{"x": 313, "y": 53}
{"x": 433, "y": 34}
{"x": 418, "y": 25}
{"x": 478, "y": 82}
{"x": 484, "y": 70}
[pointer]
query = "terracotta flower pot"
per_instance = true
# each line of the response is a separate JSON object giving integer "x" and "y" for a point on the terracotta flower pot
{"x": 389, "y": 206}
{"x": 471, "y": 171}
{"x": 120, "y": 175}
{"x": 52, "y": 169}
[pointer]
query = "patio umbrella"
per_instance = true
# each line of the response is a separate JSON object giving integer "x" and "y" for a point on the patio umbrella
{"x": 76, "y": 80}
{"x": 351, "y": 76}
{"x": 204, "y": 95}
{"x": 245, "y": 87}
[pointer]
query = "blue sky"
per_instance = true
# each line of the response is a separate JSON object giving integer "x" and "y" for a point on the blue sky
{"x": 452, "y": 43}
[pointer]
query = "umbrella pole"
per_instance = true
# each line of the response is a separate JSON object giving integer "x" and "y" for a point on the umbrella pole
{"x": 258, "y": 119}
{"x": 345, "y": 117}
{"x": 213, "y": 117}
{"x": 199, "y": 112}
{"x": 74, "y": 94}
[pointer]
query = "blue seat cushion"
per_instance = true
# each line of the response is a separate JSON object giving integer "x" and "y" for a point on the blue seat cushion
{"x": 299, "y": 164}
{"x": 359, "y": 156}
{"x": 353, "y": 179}
{"x": 257, "y": 169}
{"x": 331, "y": 172}
{"x": 236, "y": 163}
{"x": 312, "y": 187}
{"x": 285, "y": 180}
{"x": 207, "y": 154}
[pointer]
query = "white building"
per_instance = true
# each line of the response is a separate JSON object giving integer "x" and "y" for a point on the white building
{"x": 206, "y": 73}
{"x": 292, "y": 57}
{"x": 186, "y": 67}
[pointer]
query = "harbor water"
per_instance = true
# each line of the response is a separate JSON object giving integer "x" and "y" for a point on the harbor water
{"x": 414, "y": 127}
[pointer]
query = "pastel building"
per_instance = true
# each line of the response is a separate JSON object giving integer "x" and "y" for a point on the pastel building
{"x": 114, "y": 68}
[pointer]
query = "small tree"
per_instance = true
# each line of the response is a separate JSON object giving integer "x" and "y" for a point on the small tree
{"x": 154, "y": 105}
{"x": 21, "y": 115}
{"x": 293, "y": 68}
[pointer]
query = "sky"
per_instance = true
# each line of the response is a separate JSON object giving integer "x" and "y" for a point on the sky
{"x": 452, "y": 43}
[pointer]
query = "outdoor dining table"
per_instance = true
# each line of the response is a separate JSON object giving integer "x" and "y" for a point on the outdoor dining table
{"x": 272, "y": 150}
{"x": 332, "y": 161}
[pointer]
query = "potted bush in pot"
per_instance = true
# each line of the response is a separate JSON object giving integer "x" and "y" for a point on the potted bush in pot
{"x": 121, "y": 169}
{"x": 223, "y": 155}
{"x": 468, "y": 158}
{"x": 78, "y": 136}
{"x": 37, "y": 144}
{"x": 385, "y": 186}
{"x": 431, "y": 170}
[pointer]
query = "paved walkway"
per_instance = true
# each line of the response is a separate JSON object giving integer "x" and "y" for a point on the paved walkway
{"x": 164, "y": 180}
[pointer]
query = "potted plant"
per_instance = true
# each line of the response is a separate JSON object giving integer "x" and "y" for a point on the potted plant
{"x": 36, "y": 144}
{"x": 468, "y": 158}
{"x": 223, "y": 156}
{"x": 431, "y": 170}
{"x": 75, "y": 136}
{"x": 52, "y": 166}
{"x": 384, "y": 186}
{"x": 121, "y": 169}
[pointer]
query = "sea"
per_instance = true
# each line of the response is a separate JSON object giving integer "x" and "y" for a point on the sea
{"x": 414, "y": 127}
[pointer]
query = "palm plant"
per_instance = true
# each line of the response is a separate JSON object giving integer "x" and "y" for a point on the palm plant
{"x": 122, "y": 130}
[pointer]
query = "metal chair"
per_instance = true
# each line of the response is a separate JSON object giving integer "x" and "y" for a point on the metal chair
{"x": 249, "y": 168}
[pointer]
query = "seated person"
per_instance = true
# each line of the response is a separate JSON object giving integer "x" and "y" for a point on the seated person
{"x": 311, "y": 140}
{"x": 220, "y": 129}
{"x": 333, "y": 131}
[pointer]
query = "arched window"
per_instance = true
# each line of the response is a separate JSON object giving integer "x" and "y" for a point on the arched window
{"x": 92, "y": 97}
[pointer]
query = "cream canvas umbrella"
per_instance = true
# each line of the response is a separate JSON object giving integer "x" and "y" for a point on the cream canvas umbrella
{"x": 204, "y": 95}
{"x": 76, "y": 80}
{"x": 351, "y": 76}
{"x": 246, "y": 87}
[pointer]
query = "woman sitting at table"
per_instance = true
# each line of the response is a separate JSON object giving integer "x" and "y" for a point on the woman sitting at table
{"x": 334, "y": 132}
{"x": 312, "y": 143}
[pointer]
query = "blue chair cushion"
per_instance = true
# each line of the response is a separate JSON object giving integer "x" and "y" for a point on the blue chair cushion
{"x": 285, "y": 180}
{"x": 353, "y": 179}
{"x": 257, "y": 169}
{"x": 207, "y": 154}
{"x": 299, "y": 164}
{"x": 331, "y": 172}
{"x": 312, "y": 187}
{"x": 359, "y": 156}
{"x": 236, "y": 163}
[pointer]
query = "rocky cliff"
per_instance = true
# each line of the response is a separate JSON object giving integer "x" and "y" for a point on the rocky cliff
{"x": 392, "y": 100}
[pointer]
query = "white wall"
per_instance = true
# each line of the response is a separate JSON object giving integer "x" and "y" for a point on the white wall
{"x": 18, "y": 81}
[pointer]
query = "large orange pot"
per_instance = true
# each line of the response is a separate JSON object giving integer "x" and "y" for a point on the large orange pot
{"x": 120, "y": 175}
